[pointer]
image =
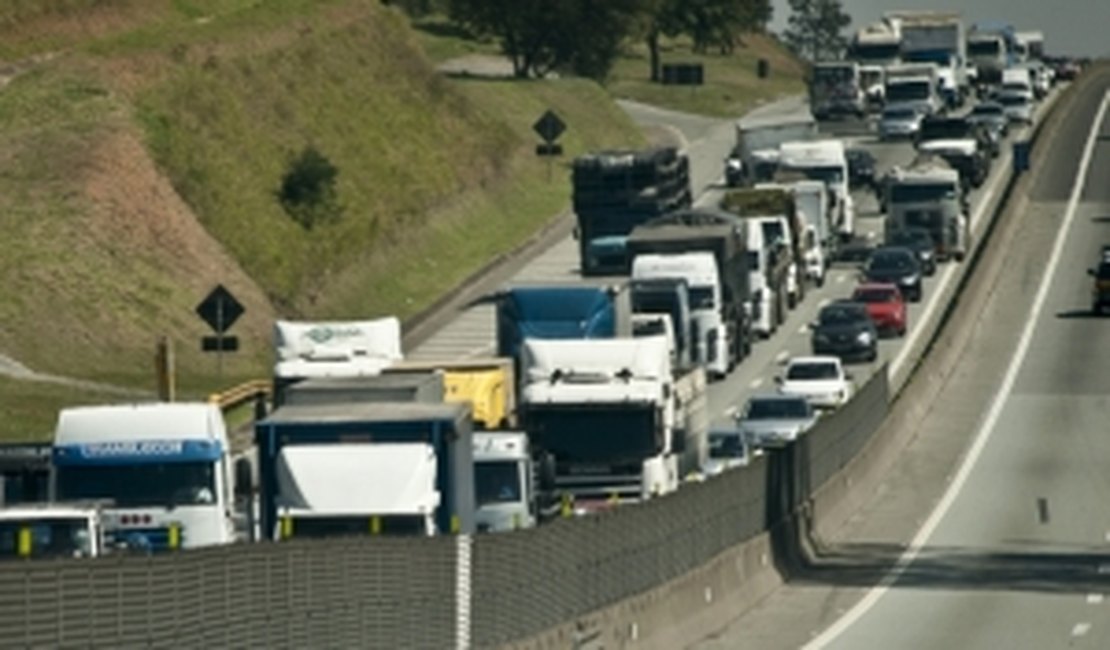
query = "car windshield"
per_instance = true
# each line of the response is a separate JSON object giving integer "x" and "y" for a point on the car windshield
{"x": 838, "y": 315}
{"x": 987, "y": 110}
{"x": 777, "y": 409}
{"x": 912, "y": 239}
{"x": 890, "y": 260}
{"x": 812, "y": 370}
{"x": 873, "y": 295}
{"x": 901, "y": 113}
{"x": 1013, "y": 100}
{"x": 726, "y": 445}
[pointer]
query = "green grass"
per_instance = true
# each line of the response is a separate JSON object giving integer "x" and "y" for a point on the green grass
{"x": 29, "y": 410}
{"x": 442, "y": 40}
{"x": 731, "y": 87}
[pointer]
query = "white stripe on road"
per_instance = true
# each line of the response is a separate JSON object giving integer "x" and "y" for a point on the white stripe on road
{"x": 1094, "y": 599}
{"x": 983, "y": 434}
{"x": 781, "y": 357}
{"x": 757, "y": 382}
{"x": 1080, "y": 629}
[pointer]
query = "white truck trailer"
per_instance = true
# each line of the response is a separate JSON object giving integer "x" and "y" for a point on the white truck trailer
{"x": 305, "y": 349}
{"x": 163, "y": 468}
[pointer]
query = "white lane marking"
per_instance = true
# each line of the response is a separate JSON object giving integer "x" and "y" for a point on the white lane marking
{"x": 1094, "y": 599}
{"x": 1107, "y": 536}
{"x": 730, "y": 411}
{"x": 827, "y": 301}
{"x": 841, "y": 279}
{"x": 804, "y": 329}
{"x": 757, "y": 382}
{"x": 781, "y": 357}
{"x": 1080, "y": 629}
{"x": 987, "y": 428}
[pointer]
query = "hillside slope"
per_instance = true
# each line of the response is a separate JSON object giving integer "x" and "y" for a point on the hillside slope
{"x": 139, "y": 166}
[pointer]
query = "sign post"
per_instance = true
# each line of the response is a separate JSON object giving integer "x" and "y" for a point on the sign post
{"x": 549, "y": 127}
{"x": 220, "y": 310}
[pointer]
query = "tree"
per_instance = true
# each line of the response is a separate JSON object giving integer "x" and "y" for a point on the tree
{"x": 308, "y": 192}
{"x": 540, "y": 36}
{"x": 709, "y": 23}
{"x": 815, "y": 27}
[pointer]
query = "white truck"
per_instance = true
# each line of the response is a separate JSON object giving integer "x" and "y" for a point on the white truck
{"x": 164, "y": 470}
{"x": 936, "y": 37}
{"x": 700, "y": 272}
{"x": 756, "y": 155}
{"x": 818, "y": 241}
{"x": 612, "y": 419}
{"x": 878, "y": 43}
{"x": 333, "y": 349}
{"x": 51, "y": 530}
{"x": 916, "y": 85}
{"x": 825, "y": 161}
{"x": 504, "y": 481}
{"x": 928, "y": 195}
{"x": 1029, "y": 45}
{"x": 835, "y": 90}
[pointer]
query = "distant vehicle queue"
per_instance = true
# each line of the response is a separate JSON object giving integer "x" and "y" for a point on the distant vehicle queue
{"x": 597, "y": 393}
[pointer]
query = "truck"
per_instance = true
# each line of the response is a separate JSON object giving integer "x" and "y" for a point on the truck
{"x": 772, "y": 208}
{"x": 427, "y": 386}
{"x": 878, "y": 44}
{"x": 25, "y": 471}
{"x": 755, "y": 157}
{"x": 51, "y": 530}
{"x": 916, "y": 85}
{"x": 725, "y": 236}
{"x": 715, "y": 345}
{"x": 817, "y": 240}
{"x": 1029, "y": 45}
{"x": 927, "y": 195}
{"x": 333, "y": 349}
{"x": 614, "y": 191}
{"x": 937, "y": 37}
{"x": 505, "y": 483}
{"x": 835, "y": 89}
{"x": 669, "y": 297}
{"x": 559, "y": 312}
{"x": 390, "y": 468}
{"x": 991, "y": 48}
{"x": 488, "y": 384}
{"x": 825, "y": 161}
{"x": 164, "y": 470}
{"x": 611, "y": 419}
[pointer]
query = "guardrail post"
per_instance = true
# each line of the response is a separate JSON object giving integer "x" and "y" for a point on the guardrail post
{"x": 164, "y": 370}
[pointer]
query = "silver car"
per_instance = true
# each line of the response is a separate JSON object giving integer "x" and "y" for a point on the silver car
{"x": 899, "y": 122}
{"x": 1018, "y": 106}
{"x": 774, "y": 420}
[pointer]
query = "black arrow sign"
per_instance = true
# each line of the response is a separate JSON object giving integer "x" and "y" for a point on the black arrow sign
{"x": 220, "y": 309}
{"x": 549, "y": 127}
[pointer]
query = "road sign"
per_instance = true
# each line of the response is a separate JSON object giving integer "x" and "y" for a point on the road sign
{"x": 220, "y": 309}
{"x": 219, "y": 343}
{"x": 683, "y": 74}
{"x": 549, "y": 127}
{"x": 549, "y": 149}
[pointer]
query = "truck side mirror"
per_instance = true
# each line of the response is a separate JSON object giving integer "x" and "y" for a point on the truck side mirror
{"x": 244, "y": 478}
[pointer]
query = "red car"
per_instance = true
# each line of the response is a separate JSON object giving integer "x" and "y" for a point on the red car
{"x": 885, "y": 305}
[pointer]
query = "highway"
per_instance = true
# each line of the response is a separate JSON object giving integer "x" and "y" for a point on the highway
{"x": 471, "y": 332}
{"x": 993, "y": 530}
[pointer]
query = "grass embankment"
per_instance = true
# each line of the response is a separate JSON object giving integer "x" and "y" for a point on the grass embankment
{"x": 29, "y": 409}
{"x": 139, "y": 167}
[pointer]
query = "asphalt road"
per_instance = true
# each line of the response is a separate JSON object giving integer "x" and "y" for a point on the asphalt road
{"x": 993, "y": 530}
{"x": 471, "y": 332}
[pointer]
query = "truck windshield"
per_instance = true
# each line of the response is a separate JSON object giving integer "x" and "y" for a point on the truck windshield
{"x": 496, "y": 481}
{"x": 52, "y": 537}
{"x": 702, "y": 298}
{"x": 413, "y": 525}
{"x": 983, "y": 48}
{"x": 831, "y": 175}
{"x": 922, "y": 193}
{"x": 594, "y": 434}
{"x": 878, "y": 52}
{"x": 908, "y": 91}
{"x": 144, "y": 485}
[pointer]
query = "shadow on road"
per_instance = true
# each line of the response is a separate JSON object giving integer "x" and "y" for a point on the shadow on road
{"x": 1078, "y": 313}
{"x": 865, "y": 565}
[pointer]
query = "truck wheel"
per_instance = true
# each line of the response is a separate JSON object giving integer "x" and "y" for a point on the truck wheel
{"x": 791, "y": 301}
{"x": 820, "y": 280}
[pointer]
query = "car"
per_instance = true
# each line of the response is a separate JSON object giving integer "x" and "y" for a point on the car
{"x": 1100, "y": 290}
{"x": 1018, "y": 106}
{"x": 861, "y": 168}
{"x": 899, "y": 122}
{"x": 845, "y": 329}
{"x": 991, "y": 116}
{"x": 820, "y": 379}
{"x": 885, "y": 305}
{"x": 728, "y": 448}
{"x": 774, "y": 420}
{"x": 919, "y": 241}
{"x": 897, "y": 265}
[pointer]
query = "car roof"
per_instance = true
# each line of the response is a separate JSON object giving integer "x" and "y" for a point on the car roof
{"x": 776, "y": 397}
{"x": 813, "y": 359}
{"x": 876, "y": 286}
{"x": 886, "y": 250}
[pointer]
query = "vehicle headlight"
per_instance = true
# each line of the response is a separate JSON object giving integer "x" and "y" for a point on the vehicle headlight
{"x": 909, "y": 279}
{"x": 864, "y": 338}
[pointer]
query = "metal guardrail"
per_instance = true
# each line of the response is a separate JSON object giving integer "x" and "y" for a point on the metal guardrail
{"x": 245, "y": 392}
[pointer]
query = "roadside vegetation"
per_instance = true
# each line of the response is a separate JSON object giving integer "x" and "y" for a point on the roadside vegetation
{"x": 147, "y": 147}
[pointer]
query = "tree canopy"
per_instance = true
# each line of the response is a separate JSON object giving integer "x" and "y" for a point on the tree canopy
{"x": 815, "y": 29}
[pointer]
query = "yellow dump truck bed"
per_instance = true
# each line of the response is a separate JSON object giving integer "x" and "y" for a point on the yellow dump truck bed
{"x": 486, "y": 383}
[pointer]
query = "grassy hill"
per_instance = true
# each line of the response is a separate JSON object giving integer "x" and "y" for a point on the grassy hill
{"x": 142, "y": 144}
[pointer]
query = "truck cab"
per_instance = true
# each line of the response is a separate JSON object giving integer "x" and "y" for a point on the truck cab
{"x": 504, "y": 483}
{"x": 163, "y": 467}
{"x": 825, "y": 161}
{"x": 928, "y": 195}
{"x": 835, "y": 90}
